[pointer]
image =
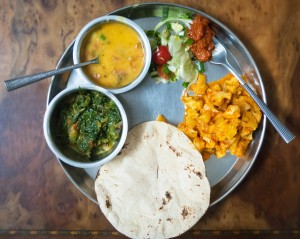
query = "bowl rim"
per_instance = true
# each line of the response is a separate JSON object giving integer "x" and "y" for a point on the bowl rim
{"x": 142, "y": 35}
{"x": 49, "y": 139}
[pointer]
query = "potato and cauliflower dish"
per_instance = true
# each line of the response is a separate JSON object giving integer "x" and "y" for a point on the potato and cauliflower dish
{"x": 219, "y": 116}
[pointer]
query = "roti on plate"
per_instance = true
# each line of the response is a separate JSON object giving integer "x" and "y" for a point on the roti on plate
{"x": 156, "y": 187}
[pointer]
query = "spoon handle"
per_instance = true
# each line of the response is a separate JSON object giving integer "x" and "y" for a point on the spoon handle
{"x": 18, "y": 82}
{"x": 283, "y": 131}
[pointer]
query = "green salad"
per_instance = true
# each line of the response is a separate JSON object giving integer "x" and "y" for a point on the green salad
{"x": 171, "y": 58}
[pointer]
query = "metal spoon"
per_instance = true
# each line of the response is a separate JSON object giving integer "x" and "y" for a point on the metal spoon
{"x": 18, "y": 82}
{"x": 219, "y": 56}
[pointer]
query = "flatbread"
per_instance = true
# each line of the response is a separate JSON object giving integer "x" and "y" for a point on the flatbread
{"x": 157, "y": 186}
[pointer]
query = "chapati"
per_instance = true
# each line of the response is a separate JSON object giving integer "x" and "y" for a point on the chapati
{"x": 156, "y": 187}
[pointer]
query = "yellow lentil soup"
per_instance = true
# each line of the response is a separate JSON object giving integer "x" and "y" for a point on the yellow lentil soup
{"x": 120, "y": 51}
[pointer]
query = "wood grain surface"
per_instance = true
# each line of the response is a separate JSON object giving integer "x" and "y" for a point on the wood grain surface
{"x": 37, "y": 198}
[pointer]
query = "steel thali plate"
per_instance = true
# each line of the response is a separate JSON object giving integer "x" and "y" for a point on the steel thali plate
{"x": 146, "y": 101}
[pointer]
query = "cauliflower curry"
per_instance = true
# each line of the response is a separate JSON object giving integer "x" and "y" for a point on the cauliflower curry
{"x": 219, "y": 116}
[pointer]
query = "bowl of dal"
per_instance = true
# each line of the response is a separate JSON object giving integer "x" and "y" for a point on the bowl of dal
{"x": 123, "y": 49}
{"x": 85, "y": 126}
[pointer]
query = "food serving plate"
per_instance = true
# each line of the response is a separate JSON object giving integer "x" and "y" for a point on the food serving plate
{"x": 148, "y": 99}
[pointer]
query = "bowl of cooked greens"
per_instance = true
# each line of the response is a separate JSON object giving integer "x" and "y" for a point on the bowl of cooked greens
{"x": 85, "y": 126}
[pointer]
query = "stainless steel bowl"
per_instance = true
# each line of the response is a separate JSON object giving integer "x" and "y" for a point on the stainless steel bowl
{"x": 67, "y": 154}
{"x": 97, "y": 22}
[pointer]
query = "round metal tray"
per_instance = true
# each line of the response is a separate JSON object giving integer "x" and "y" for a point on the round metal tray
{"x": 146, "y": 101}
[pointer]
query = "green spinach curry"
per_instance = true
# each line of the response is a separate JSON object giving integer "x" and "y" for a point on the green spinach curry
{"x": 90, "y": 123}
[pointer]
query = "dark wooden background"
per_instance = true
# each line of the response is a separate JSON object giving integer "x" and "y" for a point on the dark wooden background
{"x": 38, "y": 199}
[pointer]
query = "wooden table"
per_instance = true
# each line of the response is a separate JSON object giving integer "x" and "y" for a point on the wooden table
{"x": 38, "y": 199}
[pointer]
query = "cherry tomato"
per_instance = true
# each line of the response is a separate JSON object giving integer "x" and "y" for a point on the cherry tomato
{"x": 161, "y": 55}
{"x": 161, "y": 72}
